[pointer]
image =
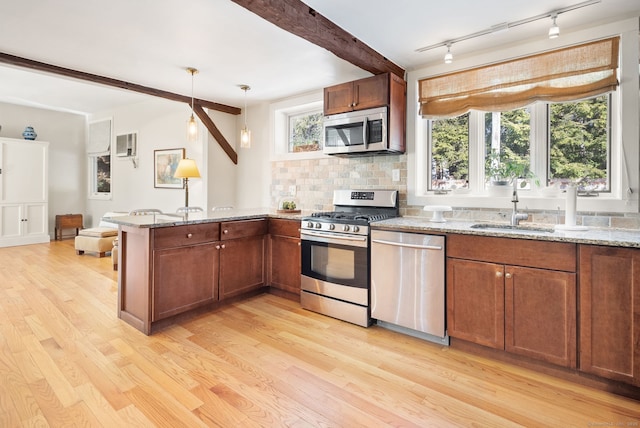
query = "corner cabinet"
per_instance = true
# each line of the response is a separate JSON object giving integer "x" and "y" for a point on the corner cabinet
{"x": 515, "y": 295}
{"x": 242, "y": 256}
{"x": 24, "y": 212}
{"x": 284, "y": 257}
{"x": 610, "y": 312}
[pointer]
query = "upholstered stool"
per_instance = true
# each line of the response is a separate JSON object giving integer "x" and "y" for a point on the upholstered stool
{"x": 96, "y": 240}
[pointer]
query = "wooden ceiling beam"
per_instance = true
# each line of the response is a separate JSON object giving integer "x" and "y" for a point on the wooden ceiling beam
{"x": 298, "y": 18}
{"x": 107, "y": 81}
{"x": 215, "y": 132}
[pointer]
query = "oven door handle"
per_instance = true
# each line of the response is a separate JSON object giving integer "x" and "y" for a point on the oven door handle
{"x": 400, "y": 244}
{"x": 333, "y": 237}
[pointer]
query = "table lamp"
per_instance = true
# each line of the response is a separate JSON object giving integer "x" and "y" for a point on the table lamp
{"x": 187, "y": 169}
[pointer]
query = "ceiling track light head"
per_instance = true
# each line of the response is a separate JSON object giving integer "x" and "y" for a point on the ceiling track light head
{"x": 554, "y": 31}
{"x": 448, "y": 57}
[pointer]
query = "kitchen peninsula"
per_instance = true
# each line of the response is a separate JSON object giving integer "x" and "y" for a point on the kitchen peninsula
{"x": 173, "y": 264}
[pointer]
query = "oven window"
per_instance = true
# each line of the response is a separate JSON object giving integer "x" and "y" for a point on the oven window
{"x": 336, "y": 263}
{"x": 333, "y": 262}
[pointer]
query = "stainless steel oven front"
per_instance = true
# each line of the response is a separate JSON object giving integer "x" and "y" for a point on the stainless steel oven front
{"x": 335, "y": 274}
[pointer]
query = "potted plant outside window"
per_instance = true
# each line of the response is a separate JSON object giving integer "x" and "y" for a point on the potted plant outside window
{"x": 506, "y": 172}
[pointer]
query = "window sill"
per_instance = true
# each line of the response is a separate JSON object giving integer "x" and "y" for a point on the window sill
{"x": 526, "y": 202}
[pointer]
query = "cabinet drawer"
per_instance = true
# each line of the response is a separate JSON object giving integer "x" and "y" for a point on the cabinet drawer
{"x": 179, "y": 236}
{"x": 243, "y": 228}
{"x": 518, "y": 252}
{"x": 284, "y": 227}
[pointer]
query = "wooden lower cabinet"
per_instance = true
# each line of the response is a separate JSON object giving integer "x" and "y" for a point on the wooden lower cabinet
{"x": 284, "y": 255}
{"x": 242, "y": 256}
{"x": 540, "y": 314}
{"x": 528, "y": 311}
{"x": 475, "y": 302}
{"x": 610, "y": 312}
{"x": 241, "y": 266}
{"x": 184, "y": 278}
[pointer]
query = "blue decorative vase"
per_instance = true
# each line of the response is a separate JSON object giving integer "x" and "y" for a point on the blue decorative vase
{"x": 29, "y": 133}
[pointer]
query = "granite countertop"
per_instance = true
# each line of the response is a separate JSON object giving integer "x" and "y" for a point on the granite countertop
{"x": 167, "y": 220}
{"x": 608, "y": 237}
{"x": 595, "y": 236}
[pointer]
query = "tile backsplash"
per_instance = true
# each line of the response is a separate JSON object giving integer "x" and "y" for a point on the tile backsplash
{"x": 315, "y": 180}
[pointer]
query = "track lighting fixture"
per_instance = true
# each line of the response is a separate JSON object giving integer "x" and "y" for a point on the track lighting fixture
{"x": 554, "y": 31}
{"x": 448, "y": 58}
{"x": 192, "y": 125}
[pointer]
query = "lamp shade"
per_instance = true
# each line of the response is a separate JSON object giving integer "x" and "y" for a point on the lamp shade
{"x": 187, "y": 168}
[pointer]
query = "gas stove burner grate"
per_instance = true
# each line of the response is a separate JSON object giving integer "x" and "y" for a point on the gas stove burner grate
{"x": 342, "y": 215}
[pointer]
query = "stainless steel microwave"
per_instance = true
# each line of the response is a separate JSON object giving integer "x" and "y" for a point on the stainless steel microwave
{"x": 356, "y": 132}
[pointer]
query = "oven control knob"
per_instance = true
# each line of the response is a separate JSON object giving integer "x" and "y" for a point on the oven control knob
{"x": 332, "y": 226}
{"x": 346, "y": 228}
{"x": 356, "y": 229}
{"x": 310, "y": 224}
{"x": 318, "y": 226}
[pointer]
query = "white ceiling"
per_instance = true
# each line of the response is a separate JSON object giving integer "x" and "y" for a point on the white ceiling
{"x": 151, "y": 42}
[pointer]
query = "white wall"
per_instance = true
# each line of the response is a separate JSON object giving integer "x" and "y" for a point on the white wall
{"x": 254, "y": 166}
{"x": 161, "y": 124}
{"x": 65, "y": 133}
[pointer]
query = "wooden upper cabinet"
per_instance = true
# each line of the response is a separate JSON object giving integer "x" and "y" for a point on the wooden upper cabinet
{"x": 610, "y": 312}
{"x": 357, "y": 95}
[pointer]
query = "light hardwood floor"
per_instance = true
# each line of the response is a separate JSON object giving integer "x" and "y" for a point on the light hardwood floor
{"x": 67, "y": 360}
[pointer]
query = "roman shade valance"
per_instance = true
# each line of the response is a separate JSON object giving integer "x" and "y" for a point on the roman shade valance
{"x": 565, "y": 74}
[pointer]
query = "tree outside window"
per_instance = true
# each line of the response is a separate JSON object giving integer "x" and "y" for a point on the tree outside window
{"x": 305, "y": 132}
{"x": 579, "y": 143}
{"x": 450, "y": 153}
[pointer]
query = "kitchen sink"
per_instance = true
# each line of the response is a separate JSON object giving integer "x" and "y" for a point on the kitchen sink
{"x": 519, "y": 227}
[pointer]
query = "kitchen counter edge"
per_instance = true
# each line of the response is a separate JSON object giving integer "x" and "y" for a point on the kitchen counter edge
{"x": 168, "y": 220}
{"x": 605, "y": 236}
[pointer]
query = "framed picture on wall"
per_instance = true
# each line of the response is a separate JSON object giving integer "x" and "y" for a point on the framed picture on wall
{"x": 165, "y": 163}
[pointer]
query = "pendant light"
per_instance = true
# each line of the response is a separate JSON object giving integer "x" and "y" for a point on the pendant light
{"x": 245, "y": 133}
{"x": 192, "y": 124}
{"x": 554, "y": 31}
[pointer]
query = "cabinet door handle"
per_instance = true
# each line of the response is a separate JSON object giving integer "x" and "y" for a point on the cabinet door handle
{"x": 499, "y": 274}
{"x": 225, "y": 231}
{"x": 217, "y": 247}
{"x": 189, "y": 235}
{"x": 508, "y": 275}
{"x": 222, "y": 246}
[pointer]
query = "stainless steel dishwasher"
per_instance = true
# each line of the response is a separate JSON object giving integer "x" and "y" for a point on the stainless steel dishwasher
{"x": 408, "y": 282}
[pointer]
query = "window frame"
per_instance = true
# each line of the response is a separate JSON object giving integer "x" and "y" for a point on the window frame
{"x": 624, "y": 151}
{"x": 279, "y": 113}
{"x": 92, "y": 169}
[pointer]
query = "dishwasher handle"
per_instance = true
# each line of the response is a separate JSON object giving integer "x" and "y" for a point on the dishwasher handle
{"x": 400, "y": 244}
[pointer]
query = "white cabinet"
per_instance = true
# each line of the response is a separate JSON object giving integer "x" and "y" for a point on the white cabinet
{"x": 23, "y": 192}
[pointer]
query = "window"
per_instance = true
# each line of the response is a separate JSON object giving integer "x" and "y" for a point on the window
{"x": 450, "y": 153}
{"x": 99, "y": 159}
{"x": 297, "y": 131}
{"x": 305, "y": 132}
{"x": 100, "y": 179}
{"x": 580, "y": 144}
{"x": 596, "y": 129}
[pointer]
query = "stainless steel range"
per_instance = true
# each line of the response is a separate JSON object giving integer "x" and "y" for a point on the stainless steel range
{"x": 336, "y": 275}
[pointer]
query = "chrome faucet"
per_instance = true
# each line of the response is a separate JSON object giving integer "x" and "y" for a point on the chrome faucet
{"x": 515, "y": 215}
